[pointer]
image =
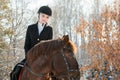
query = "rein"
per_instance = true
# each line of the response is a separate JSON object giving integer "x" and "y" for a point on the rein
{"x": 36, "y": 74}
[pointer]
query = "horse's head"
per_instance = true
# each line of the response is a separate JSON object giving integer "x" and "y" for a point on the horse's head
{"x": 64, "y": 63}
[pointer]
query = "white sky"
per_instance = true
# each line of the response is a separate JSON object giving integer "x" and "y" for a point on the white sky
{"x": 37, "y": 3}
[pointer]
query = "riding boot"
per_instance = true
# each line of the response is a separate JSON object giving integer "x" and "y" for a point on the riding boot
{"x": 16, "y": 71}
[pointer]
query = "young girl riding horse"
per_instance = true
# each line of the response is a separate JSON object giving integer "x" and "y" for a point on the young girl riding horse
{"x": 35, "y": 33}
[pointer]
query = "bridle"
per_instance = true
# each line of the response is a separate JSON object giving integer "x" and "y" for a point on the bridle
{"x": 58, "y": 75}
{"x": 68, "y": 67}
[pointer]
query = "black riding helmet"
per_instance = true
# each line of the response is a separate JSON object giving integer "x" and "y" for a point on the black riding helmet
{"x": 45, "y": 10}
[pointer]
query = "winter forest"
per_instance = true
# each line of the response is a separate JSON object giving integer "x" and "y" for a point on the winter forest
{"x": 93, "y": 25}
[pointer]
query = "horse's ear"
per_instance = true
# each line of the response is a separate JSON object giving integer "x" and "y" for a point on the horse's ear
{"x": 65, "y": 39}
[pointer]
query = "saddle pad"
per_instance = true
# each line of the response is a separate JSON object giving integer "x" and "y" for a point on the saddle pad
{"x": 21, "y": 72}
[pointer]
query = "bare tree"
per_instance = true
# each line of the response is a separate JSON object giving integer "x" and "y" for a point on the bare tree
{"x": 13, "y": 25}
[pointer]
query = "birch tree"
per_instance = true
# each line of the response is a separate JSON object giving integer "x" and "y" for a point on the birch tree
{"x": 14, "y": 19}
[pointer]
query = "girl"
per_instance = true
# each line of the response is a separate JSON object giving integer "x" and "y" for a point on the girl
{"x": 35, "y": 33}
{"x": 40, "y": 30}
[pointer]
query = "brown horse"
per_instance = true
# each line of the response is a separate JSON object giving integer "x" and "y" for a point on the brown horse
{"x": 52, "y": 60}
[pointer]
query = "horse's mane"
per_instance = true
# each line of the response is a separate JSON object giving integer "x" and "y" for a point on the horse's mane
{"x": 46, "y": 48}
{"x": 72, "y": 46}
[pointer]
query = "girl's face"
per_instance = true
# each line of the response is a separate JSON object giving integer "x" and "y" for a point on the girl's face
{"x": 43, "y": 18}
